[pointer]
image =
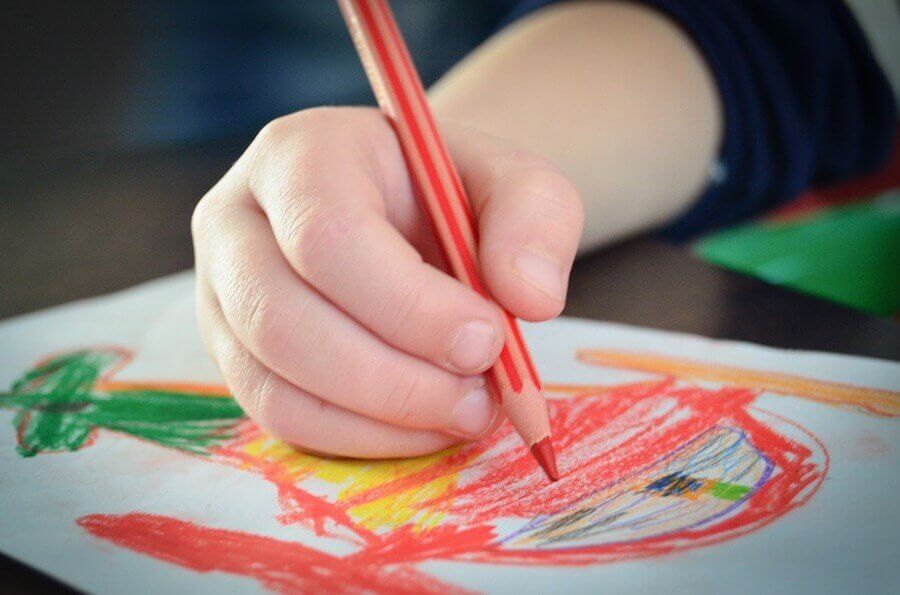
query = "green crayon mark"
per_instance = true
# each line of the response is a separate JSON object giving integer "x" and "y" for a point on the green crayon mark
{"x": 58, "y": 408}
{"x": 728, "y": 491}
{"x": 676, "y": 484}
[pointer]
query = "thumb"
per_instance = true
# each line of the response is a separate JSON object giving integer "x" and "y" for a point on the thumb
{"x": 530, "y": 219}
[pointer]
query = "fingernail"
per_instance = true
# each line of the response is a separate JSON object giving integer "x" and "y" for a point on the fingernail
{"x": 542, "y": 271}
{"x": 473, "y": 345}
{"x": 474, "y": 413}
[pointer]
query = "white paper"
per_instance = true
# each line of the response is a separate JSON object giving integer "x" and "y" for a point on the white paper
{"x": 689, "y": 466}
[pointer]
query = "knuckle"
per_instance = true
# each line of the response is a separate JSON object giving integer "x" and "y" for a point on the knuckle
{"x": 315, "y": 127}
{"x": 324, "y": 118}
{"x": 260, "y": 400}
{"x": 287, "y": 140}
{"x": 405, "y": 310}
{"x": 559, "y": 197}
{"x": 241, "y": 375}
{"x": 277, "y": 132}
{"x": 203, "y": 216}
{"x": 399, "y": 404}
{"x": 266, "y": 403}
{"x": 319, "y": 232}
{"x": 328, "y": 121}
{"x": 258, "y": 318}
{"x": 285, "y": 130}
{"x": 269, "y": 329}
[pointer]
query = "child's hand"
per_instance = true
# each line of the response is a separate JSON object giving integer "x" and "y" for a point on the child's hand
{"x": 322, "y": 294}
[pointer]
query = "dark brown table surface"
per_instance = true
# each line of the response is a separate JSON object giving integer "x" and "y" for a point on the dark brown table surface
{"x": 75, "y": 230}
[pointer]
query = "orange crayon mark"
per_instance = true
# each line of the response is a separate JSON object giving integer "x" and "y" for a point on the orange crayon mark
{"x": 195, "y": 389}
{"x": 879, "y": 402}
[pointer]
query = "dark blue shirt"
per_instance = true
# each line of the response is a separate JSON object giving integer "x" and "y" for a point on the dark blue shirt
{"x": 804, "y": 101}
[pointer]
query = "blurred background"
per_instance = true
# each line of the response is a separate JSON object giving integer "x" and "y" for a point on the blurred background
{"x": 116, "y": 116}
{"x": 117, "y": 75}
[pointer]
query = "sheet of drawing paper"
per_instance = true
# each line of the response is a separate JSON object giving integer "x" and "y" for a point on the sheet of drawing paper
{"x": 689, "y": 466}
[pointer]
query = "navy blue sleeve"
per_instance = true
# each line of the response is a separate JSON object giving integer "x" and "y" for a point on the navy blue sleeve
{"x": 804, "y": 101}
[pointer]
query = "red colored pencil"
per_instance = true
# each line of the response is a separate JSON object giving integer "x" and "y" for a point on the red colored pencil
{"x": 513, "y": 379}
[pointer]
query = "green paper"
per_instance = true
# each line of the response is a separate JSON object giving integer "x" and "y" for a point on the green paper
{"x": 849, "y": 254}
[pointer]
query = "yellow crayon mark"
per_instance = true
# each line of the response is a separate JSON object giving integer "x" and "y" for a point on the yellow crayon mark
{"x": 357, "y": 476}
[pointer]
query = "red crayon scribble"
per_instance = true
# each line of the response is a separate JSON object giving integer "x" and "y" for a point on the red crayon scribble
{"x": 298, "y": 506}
{"x": 648, "y": 468}
{"x": 604, "y": 438}
{"x": 282, "y": 566}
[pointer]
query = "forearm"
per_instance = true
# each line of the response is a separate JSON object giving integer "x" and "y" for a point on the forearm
{"x": 614, "y": 93}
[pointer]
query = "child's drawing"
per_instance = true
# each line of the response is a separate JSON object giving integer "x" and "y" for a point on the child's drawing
{"x": 682, "y": 460}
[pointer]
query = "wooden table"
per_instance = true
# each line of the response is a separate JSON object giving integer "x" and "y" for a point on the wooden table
{"x": 88, "y": 228}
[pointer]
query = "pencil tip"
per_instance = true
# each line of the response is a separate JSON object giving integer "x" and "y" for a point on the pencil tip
{"x": 543, "y": 452}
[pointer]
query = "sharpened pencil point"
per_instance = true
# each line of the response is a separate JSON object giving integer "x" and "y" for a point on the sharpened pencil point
{"x": 543, "y": 452}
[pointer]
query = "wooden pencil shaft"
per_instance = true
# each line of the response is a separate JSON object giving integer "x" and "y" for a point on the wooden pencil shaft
{"x": 401, "y": 97}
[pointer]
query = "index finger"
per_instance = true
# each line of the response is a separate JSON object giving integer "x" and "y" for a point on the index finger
{"x": 325, "y": 196}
